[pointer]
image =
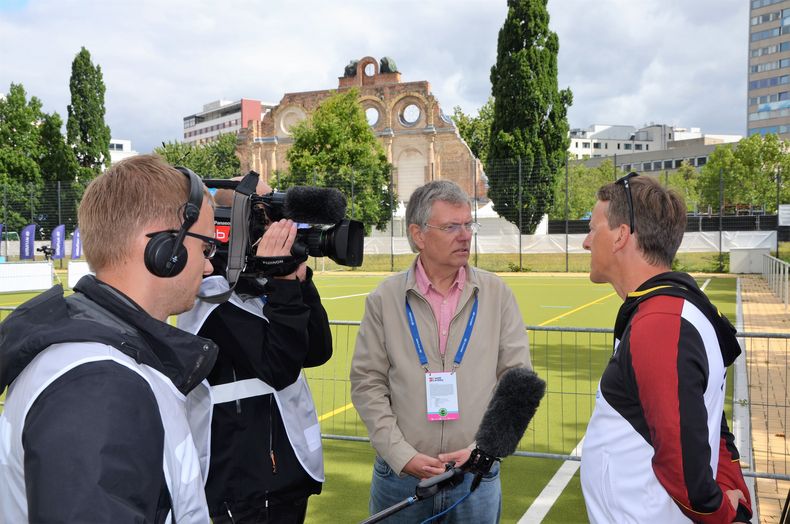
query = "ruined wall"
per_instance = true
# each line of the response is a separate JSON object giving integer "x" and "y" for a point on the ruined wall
{"x": 421, "y": 142}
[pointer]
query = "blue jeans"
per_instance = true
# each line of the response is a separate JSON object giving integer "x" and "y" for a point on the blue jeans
{"x": 483, "y": 506}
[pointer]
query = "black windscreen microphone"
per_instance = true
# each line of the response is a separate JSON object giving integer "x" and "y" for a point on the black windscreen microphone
{"x": 515, "y": 400}
{"x": 512, "y": 406}
{"x": 307, "y": 205}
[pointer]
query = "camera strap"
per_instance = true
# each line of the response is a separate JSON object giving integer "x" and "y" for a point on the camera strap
{"x": 239, "y": 236}
{"x": 276, "y": 266}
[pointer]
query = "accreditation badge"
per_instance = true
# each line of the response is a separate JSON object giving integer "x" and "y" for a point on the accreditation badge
{"x": 442, "y": 396}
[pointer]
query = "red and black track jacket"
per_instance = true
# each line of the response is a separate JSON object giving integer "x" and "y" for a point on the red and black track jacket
{"x": 657, "y": 447}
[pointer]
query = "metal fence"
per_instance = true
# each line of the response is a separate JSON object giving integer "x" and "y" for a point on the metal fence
{"x": 777, "y": 273}
{"x": 567, "y": 201}
{"x": 571, "y": 360}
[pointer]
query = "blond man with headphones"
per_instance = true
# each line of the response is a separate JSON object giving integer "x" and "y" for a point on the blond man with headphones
{"x": 107, "y": 412}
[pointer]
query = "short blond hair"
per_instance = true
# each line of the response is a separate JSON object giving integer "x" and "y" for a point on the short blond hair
{"x": 126, "y": 199}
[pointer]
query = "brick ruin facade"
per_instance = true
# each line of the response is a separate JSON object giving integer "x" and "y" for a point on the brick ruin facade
{"x": 421, "y": 142}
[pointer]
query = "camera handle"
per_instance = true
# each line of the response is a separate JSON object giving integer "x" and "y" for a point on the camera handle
{"x": 239, "y": 237}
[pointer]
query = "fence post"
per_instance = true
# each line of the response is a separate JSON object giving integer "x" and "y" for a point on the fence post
{"x": 476, "y": 199}
{"x": 392, "y": 224}
{"x": 60, "y": 221}
{"x": 778, "y": 189}
{"x": 567, "y": 210}
{"x": 721, "y": 219}
{"x": 5, "y": 217}
{"x": 520, "y": 210}
{"x": 30, "y": 186}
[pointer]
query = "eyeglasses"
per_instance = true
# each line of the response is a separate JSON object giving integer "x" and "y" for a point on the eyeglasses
{"x": 630, "y": 199}
{"x": 454, "y": 229}
{"x": 209, "y": 249}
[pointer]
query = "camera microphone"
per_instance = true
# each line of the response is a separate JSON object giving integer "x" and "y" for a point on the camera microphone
{"x": 512, "y": 406}
{"x": 311, "y": 205}
{"x": 514, "y": 403}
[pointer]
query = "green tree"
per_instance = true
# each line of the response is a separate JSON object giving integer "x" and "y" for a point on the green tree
{"x": 20, "y": 147}
{"x": 749, "y": 172}
{"x": 685, "y": 181}
{"x": 59, "y": 165}
{"x": 87, "y": 133}
{"x": 221, "y": 158}
{"x": 476, "y": 130}
{"x": 583, "y": 183}
{"x": 215, "y": 159}
{"x": 336, "y": 148}
{"x": 20, "y": 137}
{"x": 57, "y": 160}
{"x": 181, "y": 154}
{"x": 530, "y": 115}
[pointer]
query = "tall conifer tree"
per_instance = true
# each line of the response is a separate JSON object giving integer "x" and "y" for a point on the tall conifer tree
{"x": 87, "y": 133}
{"x": 530, "y": 115}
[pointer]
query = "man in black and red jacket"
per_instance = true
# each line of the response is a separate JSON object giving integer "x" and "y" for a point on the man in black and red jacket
{"x": 266, "y": 456}
{"x": 657, "y": 448}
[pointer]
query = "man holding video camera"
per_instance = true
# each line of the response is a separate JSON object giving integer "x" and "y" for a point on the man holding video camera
{"x": 107, "y": 414}
{"x": 266, "y": 456}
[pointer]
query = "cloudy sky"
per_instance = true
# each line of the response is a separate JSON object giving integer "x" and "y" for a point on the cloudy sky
{"x": 630, "y": 62}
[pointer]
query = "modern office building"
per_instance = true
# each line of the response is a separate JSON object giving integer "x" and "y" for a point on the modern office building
{"x": 768, "y": 104}
{"x": 600, "y": 140}
{"x": 222, "y": 116}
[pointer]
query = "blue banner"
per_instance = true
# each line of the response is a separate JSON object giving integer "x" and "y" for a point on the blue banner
{"x": 27, "y": 243}
{"x": 59, "y": 242}
{"x": 76, "y": 245}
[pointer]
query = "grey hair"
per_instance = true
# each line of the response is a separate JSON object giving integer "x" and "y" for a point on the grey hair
{"x": 418, "y": 210}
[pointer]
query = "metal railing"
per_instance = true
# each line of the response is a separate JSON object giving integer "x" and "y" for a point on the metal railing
{"x": 571, "y": 360}
{"x": 777, "y": 273}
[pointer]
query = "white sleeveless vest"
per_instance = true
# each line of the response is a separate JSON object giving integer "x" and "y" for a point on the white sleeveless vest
{"x": 295, "y": 402}
{"x": 186, "y": 421}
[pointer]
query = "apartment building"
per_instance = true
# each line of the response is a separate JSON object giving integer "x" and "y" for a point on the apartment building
{"x": 222, "y": 116}
{"x": 768, "y": 105}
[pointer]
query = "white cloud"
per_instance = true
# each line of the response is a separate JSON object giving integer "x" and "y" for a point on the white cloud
{"x": 669, "y": 61}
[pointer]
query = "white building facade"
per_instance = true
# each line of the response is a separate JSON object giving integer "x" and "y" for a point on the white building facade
{"x": 601, "y": 140}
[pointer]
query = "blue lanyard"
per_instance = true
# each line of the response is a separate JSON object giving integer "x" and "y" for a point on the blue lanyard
{"x": 415, "y": 335}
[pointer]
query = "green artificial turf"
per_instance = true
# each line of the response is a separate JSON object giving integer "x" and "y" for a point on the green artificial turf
{"x": 570, "y": 362}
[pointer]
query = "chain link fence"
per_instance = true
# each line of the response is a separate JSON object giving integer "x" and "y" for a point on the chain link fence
{"x": 546, "y": 217}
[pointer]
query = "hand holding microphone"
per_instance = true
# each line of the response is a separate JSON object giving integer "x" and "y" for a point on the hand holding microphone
{"x": 512, "y": 406}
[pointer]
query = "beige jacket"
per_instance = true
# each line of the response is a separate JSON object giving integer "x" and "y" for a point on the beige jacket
{"x": 388, "y": 383}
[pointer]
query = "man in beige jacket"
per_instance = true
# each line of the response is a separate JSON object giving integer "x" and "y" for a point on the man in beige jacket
{"x": 433, "y": 342}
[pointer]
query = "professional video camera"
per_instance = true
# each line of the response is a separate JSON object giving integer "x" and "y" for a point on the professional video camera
{"x": 322, "y": 230}
{"x": 47, "y": 250}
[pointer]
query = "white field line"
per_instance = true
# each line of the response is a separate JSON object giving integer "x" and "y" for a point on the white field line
{"x": 346, "y": 296}
{"x": 551, "y": 492}
{"x": 704, "y": 285}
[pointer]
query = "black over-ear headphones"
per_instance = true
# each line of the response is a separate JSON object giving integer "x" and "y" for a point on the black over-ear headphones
{"x": 165, "y": 254}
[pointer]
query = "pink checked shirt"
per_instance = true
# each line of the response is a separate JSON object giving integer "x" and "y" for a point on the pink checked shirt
{"x": 444, "y": 307}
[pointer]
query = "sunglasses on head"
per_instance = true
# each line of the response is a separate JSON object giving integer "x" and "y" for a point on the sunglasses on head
{"x": 624, "y": 181}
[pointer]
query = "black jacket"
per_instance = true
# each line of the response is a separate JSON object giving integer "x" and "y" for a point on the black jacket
{"x": 248, "y": 433}
{"x": 94, "y": 438}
